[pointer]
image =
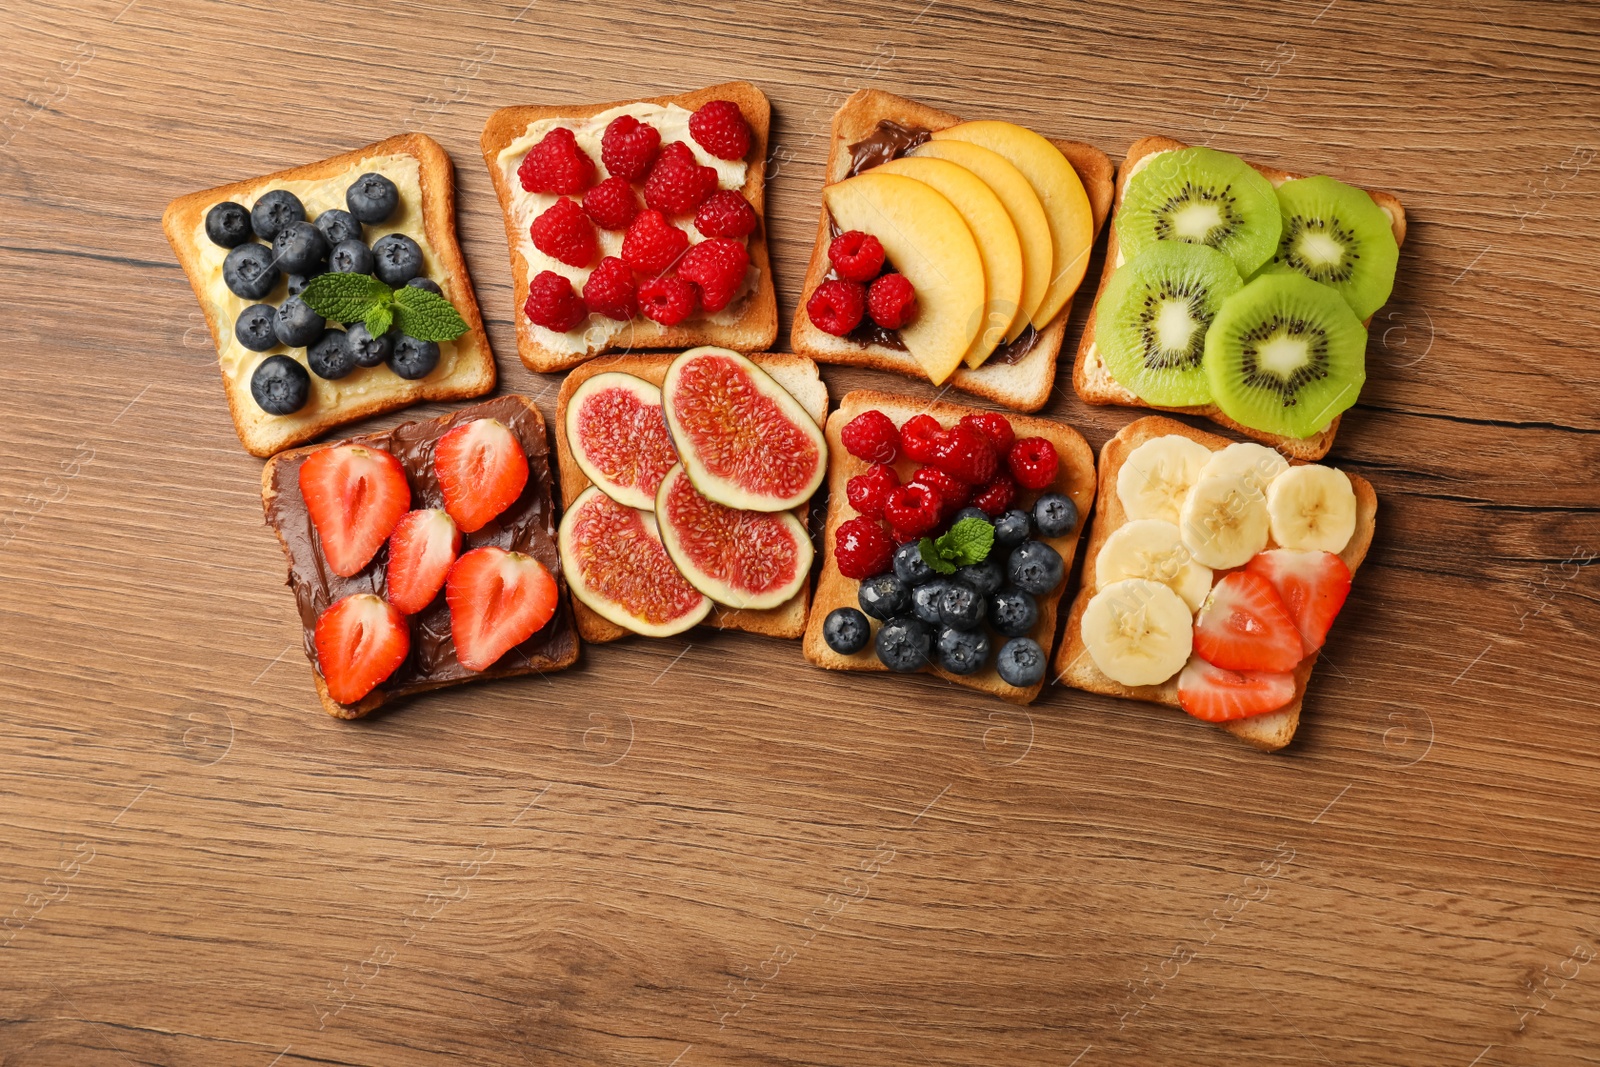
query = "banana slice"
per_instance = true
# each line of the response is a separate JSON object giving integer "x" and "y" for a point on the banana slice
{"x": 1153, "y": 549}
{"x": 1312, "y": 508}
{"x": 1256, "y": 464}
{"x": 1138, "y": 632}
{"x": 1224, "y": 522}
{"x": 1156, "y": 476}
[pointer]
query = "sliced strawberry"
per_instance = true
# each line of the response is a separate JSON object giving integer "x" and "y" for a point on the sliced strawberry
{"x": 498, "y": 600}
{"x": 1218, "y": 695}
{"x": 421, "y": 550}
{"x": 360, "y": 641}
{"x": 1243, "y": 626}
{"x": 481, "y": 469}
{"x": 1312, "y": 585}
{"x": 354, "y": 495}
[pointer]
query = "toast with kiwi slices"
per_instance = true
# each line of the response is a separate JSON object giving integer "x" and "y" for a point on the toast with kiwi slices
{"x": 1245, "y": 295}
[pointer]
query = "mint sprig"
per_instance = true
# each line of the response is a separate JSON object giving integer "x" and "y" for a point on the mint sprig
{"x": 965, "y": 543}
{"x": 362, "y": 298}
{"x": 426, "y": 316}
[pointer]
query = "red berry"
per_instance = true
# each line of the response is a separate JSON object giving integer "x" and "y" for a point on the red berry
{"x": 719, "y": 127}
{"x": 856, "y": 256}
{"x": 653, "y": 244}
{"x": 481, "y": 469}
{"x": 421, "y": 549}
{"x": 360, "y": 641}
{"x": 912, "y": 510}
{"x": 867, "y": 492}
{"x": 862, "y": 548}
{"x": 996, "y": 497}
{"x": 611, "y": 204}
{"x": 891, "y": 300}
{"x": 677, "y": 183}
{"x": 836, "y": 306}
{"x": 498, "y": 600}
{"x": 718, "y": 267}
{"x": 552, "y": 303}
{"x": 668, "y": 299}
{"x": 966, "y": 454}
{"x": 610, "y": 290}
{"x": 1244, "y": 625}
{"x": 871, "y": 436}
{"x": 993, "y": 425}
{"x": 1312, "y": 585}
{"x": 1218, "y": 695}
{"x": 628, "y": 148}
{"x": 557, "y": 165}
{"x": 726, "y": 213}
{"x": 953, "y": 495}
{"x": 1033, "y": 462}
{"x": 354, "y": 495}
{"x": 920, "y": 437}
{"x": 563, "y": 232}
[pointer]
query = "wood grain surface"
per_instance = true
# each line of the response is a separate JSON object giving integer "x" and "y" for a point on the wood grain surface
{"x": 701, "y": 850}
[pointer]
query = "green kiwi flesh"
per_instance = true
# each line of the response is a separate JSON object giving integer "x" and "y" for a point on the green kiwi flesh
{"x": 1336, "y": 234}
{"x": 1201, "y": 196}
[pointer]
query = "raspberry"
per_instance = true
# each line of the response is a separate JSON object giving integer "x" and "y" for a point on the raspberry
{"x": 628, "y": 148}
{"x": 891, "y": 300}
{"x": 717, "y": 266}
{"x": 867, "y": 492}
{"x": 719, "y": 127}
{"x": 862, "y": 548}
{"x": 653, "y": 244}
{"x": 836, "y": 306}
{"x": 856, "y": 256}
{"x": 912, "y": 510}
{"x": 552, "y": 303}
{"x": 966, "y": 454}
{"x": 668, "y": 299}
{"x": 610, "y": 290}
{"x": 726, "y": 213}
{"x": 953, "y": 495}
{"x": 1033, "y": 462}
{"x": 871, "y": 436}
{"x": 993, "y": 425}
{"x": 611, "y": 204}
{"x": 677, "y": 184}
{"x": 997, "y": 496}
{"x": 563, "y": 231}
{"x": 920, "y": 436}
{"x": 557, "y": 165}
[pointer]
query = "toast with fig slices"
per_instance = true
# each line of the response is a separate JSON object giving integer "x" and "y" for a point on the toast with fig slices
{"x": 1073, "y": 665}
{"x": 1022, "y": 380}
{"x": 1094, "y": 383}
{"x": 748, "y": 324}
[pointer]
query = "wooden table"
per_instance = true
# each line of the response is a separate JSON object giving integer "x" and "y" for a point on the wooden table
{"x": 702, "y": 850}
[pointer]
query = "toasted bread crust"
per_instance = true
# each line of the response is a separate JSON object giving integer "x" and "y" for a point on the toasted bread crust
{"x": 756, "y": 328}
{"x": 1073, "y": 665}
{"x": 1103, "y": 390}
{"x": 262, "y": 434}
{"x": 1024, "y": 385}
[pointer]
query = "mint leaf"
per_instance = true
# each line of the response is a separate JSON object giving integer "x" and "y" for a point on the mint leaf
{"x": 931, "y": 556}
{"x": 378, "y": 319}
{"x": 345, "y": 297}
{"x": 968, "y": 541}
{"x": 427, "y": 316}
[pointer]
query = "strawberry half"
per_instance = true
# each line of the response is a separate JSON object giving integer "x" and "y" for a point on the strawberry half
{"x": 1312, "y": 585}
{"x": 354, "y": 495}
{"x": 1244, "y": 626}
{"x": 421, "y": 551}
{"x": 481, "y": 469}
{"x": 498, "y": 600}
{"x": 360, "y": 641}
{"x": 1219, "y": 695}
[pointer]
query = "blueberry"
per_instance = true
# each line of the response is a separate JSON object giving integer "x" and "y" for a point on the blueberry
{"x": 963, "y": 651}
{"x": 350, "y": 257}
{"x": 280, "y": 385}
{"x": 1034, "y": 567}
{"x": 396, "y": 259}
{"x": 297, "y": 325}
{"x": 298, "y": 283}
{"x": 253, "y": 327}
{"x": 1054, "y": 514}
{"x": 249, "y": 271}
{"x": 961, "y": 606}
{"x": 925, "y": 599}
{"x": 365, "y": 349}
{"x": 1013, "y": 612}
{"x": 425, "y": 283}
{"x": 300, "y": 248}
{"x": 228, "y": 225}
{"x": 1012, "y": 528}
{"x": 372, "y": 198}
{"x": 985, "y": 577}
{"x": 970, "y": 513}
{"x": 1021, "y": 662}
{"x": 413, "y": 359}
{"x": 339, "y": 226}
{"x": 330, "y": 356}
{"x": 903, "y": 644}
{"x": 909, "y": 566}
{"x": 846, "y": 630}
{"x": 884, "y": 596}
{"x": 274, "y": 211}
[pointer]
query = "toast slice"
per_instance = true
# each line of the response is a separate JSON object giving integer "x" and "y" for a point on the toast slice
{"x": 796, "y": 374}
{"x": 427, "y": 213}
{"x": 527, "y": 525}
{"x": 1073, "y": 665}
{"x": 1075, "y": 478}
{"x": 749, "y": 324}
{"x": 1095, "y": 385}
{"x": 1023, "y": 384}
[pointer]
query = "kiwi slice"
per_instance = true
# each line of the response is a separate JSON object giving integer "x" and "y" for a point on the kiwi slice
{"x": 1150, "y": 324}
{"x": 1203, "y": 197}
{"x": 1335, "y": 234}
{"x": 1285, "y": 355}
